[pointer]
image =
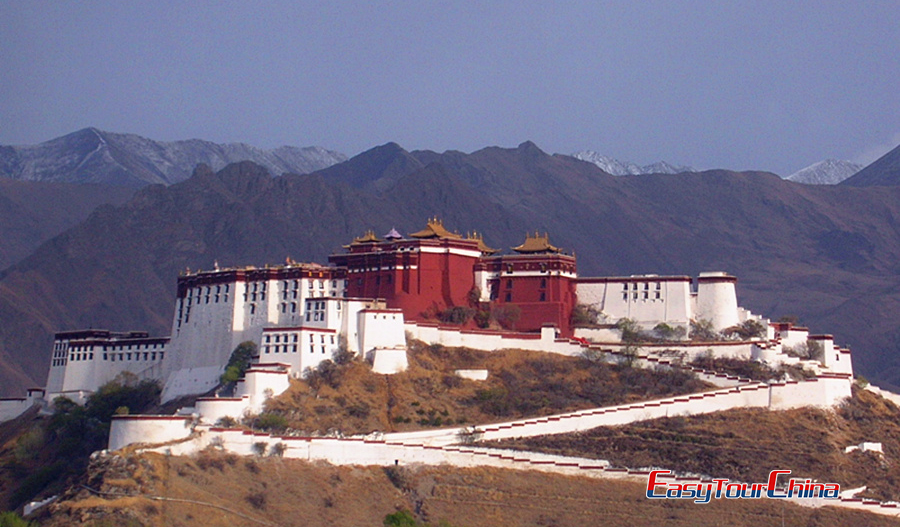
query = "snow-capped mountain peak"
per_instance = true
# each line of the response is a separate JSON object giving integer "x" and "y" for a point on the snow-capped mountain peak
{"x": 94, "y": 156}
{"x": 625, "y": 168}
{"x": 827, "y": 172}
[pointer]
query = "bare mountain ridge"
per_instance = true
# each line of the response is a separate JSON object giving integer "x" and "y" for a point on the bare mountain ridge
{"x": 94, "y": 156}
{"x": 33, "y": 212}
{"x": 825, "y": 253}
{"x": 884, "y": 171}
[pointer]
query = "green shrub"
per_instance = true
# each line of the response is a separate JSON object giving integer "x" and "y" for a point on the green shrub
{"x": 402, "y": 518}
{"x": 11, "y": 519}
{"x": 239, "y": 362}
{"x": 457, "y": 315}
{"x": 270, "y": 421}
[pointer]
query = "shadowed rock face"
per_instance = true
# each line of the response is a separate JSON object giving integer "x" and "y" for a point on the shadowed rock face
{"x": 827, "y": 254}
{"x": 884, "y": 172}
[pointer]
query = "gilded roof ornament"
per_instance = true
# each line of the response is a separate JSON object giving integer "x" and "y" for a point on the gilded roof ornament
{"x": 483, "y": 247}
{"x": 434, "y": 228}
{"x": 368, "y": 237}
{"x": 536, "y": 244}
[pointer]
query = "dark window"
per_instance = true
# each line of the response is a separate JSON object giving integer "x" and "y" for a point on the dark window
{"x": 543, "y": 296}
{"x": 543, "y": 283}
{"x": 509, "y": 284}
{"x": 509, "y": 297}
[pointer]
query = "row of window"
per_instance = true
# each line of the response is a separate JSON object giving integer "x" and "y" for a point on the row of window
{"x": 293, "y": 349}
{"x": 509, "y": 283}
{"x": 645, "y": 295}
{"x": 145, "y": 356}
{"x": 646, "y": 286}
{"x": 509, "y": 268}
{"x": 542, "y": 297}
{"x": 120, "y": 347}
{"x": 112, "y": 357}
{"x": 294, "y": 338}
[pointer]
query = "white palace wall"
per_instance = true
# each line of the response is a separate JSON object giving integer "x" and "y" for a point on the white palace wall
{"x": 646, "y": 299}
{"x": 211, "y": 320}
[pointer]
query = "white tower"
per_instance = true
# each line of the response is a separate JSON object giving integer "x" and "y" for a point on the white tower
{"x": 717, "y": 300}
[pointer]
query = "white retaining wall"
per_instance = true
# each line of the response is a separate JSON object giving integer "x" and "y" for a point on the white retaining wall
{"x": 491, "y": 340}
{"x": 821, "y": 392}
{"x": 149, "y": 429}
{"x": 14, "y": 407}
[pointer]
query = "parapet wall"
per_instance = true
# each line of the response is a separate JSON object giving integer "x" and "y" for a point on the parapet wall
{"x": 821, "y": 392}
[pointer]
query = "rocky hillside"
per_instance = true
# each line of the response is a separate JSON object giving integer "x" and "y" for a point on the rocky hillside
{"x": 33, "y": 212}
{"x": 827, "y": 254}
{"x": 95, "y": 156}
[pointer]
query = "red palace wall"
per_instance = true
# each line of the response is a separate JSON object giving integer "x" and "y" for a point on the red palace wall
{"x": 409, "y": 276}
{"x": 541, "y": 285}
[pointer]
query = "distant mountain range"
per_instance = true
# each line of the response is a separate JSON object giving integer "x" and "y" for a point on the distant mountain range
{"x": 824, "y": 253}
{"x": 94, "y": 156}
{"x": 625, "y": 168}
{"x": 827, "y": 172}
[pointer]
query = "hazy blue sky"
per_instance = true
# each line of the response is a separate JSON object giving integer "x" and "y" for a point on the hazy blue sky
{"x": 750, "y": 85}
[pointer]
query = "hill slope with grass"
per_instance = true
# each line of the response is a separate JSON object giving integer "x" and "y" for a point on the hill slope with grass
{"x": 746, "y": 444}
{"x": 352, "y": 399}
{"x": 215, "y": 489}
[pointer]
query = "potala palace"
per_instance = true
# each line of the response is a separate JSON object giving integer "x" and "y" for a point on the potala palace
{"x": 380, "y": 291}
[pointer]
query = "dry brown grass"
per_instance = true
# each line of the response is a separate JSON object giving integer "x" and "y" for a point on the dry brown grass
{"x": 240, "y": 491}
{"x": 746, "y": 444}
{"x": 520, "y": 384}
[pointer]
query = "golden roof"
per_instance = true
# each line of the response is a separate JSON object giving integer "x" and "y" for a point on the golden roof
{"x": 368, "y": 237}
{"x": 481, "y": 245}
{"x": 537, "y": 244}
{"x": 434, "y": 229}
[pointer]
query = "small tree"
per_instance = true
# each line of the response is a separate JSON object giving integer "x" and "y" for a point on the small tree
{"x": 748, "y": 329}
{"x": 474, "y": 296}
{"x": 457, "y": 315}
{"x": 278, "y": 449}
{"x": 664, "y": 331}
{"x": 809, "y": 349}
{"x": 342, "y": 355}
{"x": 629, "y": 329}
{"x": 702, "y": 330}
{"x": 585, "y": 315}
{"x": 483, "y": 318}
{"x": 259, "y": 448}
